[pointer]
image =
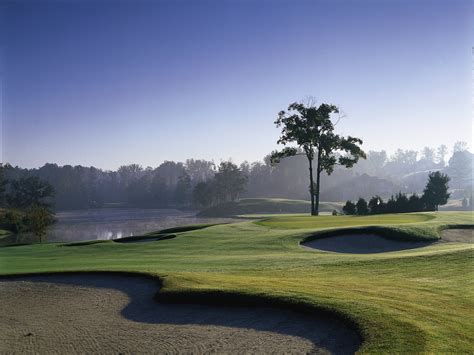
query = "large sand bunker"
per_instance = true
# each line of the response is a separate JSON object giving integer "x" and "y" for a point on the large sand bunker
{"x": 361, "y": 243}
{"x": 106, "y": 313}
{"x": 457, "y": 235}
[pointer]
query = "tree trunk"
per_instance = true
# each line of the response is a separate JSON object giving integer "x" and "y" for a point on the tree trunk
{"x": 318, "y": 181}
{"x": 311, "y": 185}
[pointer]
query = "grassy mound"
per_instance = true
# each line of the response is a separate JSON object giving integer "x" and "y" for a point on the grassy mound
{"x": 417, "y": 300}
{"x": 318, "y": 222}
{"x": 264, "y": 206}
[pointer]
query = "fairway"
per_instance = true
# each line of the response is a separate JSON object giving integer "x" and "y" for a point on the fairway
{"x": 415, "y": 300}
{"x": 307, "y": 222}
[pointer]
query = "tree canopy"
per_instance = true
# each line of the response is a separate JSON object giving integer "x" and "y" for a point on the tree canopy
{"x": 311, "y": 128}
{"x": 436, "y": 190}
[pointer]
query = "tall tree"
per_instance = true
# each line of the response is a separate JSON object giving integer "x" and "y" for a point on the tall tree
{"x": 183, "y": 189}
{"x": 459, "y": 146}
{"x": 311, "y": 128}
{"x": 460, "y": 168}
{"x": 436, "y": 190}
{"x": 29, "y": 192}
{"x": 428, "y": 154}
{"x": 441, "y": 153}
{"x": 230, "y": 181}
{"x": 38, "y": 219}
{"x": 3, "y": 183}
{"x": 361, "y": 207}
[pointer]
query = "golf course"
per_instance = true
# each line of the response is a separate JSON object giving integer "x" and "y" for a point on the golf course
{"x": 415, "y": 298}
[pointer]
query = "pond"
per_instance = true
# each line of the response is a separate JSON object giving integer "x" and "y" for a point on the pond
{"x": 113, "y": 223}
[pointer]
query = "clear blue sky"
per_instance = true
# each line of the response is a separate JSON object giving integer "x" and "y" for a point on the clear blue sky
{"x": 106, "y": 83}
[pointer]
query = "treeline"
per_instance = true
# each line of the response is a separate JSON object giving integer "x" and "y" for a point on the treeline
{"x": 196, "y": 182}
{"x": 29, "y": 205}
{"x": 434, "y": 195}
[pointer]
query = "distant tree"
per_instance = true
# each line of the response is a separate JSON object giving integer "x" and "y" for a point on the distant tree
{"x": 377, "y": 161}
{"x": 436, "y": 190}
{"x": 428, "y": 154}
{"x": 199, "y": 170}
{"x": 441, "y": 153}
{"x": 129, "y": 173}
{"x": 401, "y": 203}
{"x": 460, "y": 168}
{"x": 38, "y": 219}
{"x": 183, "y": 188}
{"x": 376, "y": 205}
{"x": 460, "y": 146}
{"x": 230, "y": 182}
{"x": 30, "y": 191}
{"x": 349, "y": 208}
{"x": 160, "y": 190}
{"x": 465, "y": 202}
{"x": 170, "y": 171}
{"x": 406, "y": 157}
{"x": 3, "y": 183}
{"x": 203, "y": 193}
{"x": 13, "y": 220}
{"x": 416, "y": 203}
{"x": 361, "y": 207}
{"x": 312, "y": 129}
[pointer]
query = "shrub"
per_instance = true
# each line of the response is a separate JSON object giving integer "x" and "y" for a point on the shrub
{"x": 361, "y": 207}
{"x": 376, "y": 205}
{"x": 349, "y": 208}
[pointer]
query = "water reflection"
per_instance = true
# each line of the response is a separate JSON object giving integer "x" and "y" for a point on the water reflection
{"x": 112, "y": 223}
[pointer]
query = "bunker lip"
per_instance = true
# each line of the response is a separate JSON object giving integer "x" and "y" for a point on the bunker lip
{"x": 376, "y": 239}
{"x": 129, "y": 303}
{"x": 361, "y": 243}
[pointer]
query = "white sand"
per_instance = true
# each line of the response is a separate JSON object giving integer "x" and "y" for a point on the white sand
{"x": 104, "y": 313}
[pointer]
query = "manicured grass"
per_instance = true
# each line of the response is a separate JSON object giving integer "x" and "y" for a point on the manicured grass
{"x": 310, "y": 222}
{"x": 248, "y": 206}
{"x": 417, "y": 300}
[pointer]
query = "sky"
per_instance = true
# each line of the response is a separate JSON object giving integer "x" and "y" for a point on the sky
{"x": 107, "y": 83}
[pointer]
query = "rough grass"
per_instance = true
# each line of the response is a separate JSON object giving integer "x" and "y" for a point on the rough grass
{"x": 418, "y": 300}
{"x": 249, "y": 206}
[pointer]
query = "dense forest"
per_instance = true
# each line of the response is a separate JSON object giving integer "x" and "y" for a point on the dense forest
{"x": 199, "y": 183}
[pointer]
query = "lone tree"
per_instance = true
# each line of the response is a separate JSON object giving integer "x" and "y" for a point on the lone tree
{"x": 311, "y": 128}
{"x": 436, "y": 190}
{"x": 38, "y": 219}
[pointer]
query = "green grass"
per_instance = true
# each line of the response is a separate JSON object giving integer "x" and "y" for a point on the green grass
{"x": 309, "y": 222}
{"x": 251, "y": 206}
{"x": 418, "y": 300}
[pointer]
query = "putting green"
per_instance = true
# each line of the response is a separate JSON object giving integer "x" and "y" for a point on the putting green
{"x": 312, "y": 222}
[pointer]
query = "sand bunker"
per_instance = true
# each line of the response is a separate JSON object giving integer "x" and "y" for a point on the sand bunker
{"x": 361, "y": 244}
{"x": 458, "y": 235}
{"x": 105, "y": 313}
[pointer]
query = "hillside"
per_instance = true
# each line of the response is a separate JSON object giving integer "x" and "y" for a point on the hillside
{"x": 265, "y": 206}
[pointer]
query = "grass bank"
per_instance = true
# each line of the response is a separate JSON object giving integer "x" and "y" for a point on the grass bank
{"x": 417, "y": 300}
{"x": 248, "y": 206}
